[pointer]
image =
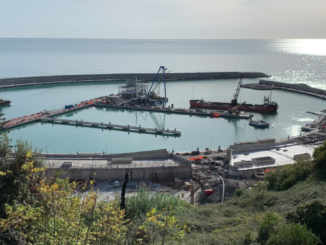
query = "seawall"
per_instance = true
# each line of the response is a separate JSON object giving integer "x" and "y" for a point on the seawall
{"x": 58, "y": 79}
{"x": 292, "y": 87}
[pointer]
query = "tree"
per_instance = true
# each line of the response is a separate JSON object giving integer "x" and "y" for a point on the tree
{"x": 14, "y": 186}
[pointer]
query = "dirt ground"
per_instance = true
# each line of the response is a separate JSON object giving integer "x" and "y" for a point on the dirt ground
{"x": 208, "y": 175}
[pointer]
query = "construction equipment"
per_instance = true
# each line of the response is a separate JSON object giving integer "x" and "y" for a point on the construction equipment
{"x": 234, "y": 109}
{"x": 155, "y": 87}
{"x": 234, "y": 101}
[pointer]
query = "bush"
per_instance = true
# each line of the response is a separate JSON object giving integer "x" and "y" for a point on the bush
{"x": 267, "y": 227}
{"x": 287, "y": 176}
{"x": 238, "y": 192}
{"x": 320, "y": 159}
{"x": 293, "y": 234}
{"x": 312, "y": 214}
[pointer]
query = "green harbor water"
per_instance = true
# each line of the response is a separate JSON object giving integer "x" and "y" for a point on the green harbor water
{"x": 196, "y": 131}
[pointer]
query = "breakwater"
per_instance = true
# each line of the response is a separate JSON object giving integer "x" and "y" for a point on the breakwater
{"x": 297, "y": 88}
{"x": 66, "y": 79}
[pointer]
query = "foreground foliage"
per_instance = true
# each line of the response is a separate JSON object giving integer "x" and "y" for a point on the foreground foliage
{"x": 49, "y": 210}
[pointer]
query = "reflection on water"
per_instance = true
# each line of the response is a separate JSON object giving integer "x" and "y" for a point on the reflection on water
{"x": 303, "y": 46}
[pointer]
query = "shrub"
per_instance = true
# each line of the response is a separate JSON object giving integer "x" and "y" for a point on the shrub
{"x": 287, "y": 176}
{"x": 312, "y": 214}
{"x": 293, "y": 234}
{"x": 267, "y": 227}
{"x": 238, "y": 192}
{"x": 320, "y": 159}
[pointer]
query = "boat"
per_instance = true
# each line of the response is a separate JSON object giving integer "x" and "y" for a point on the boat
{"x": 259, "y": 123}
{"x": 268, "y": 105}
{"x": 4, "y": 102}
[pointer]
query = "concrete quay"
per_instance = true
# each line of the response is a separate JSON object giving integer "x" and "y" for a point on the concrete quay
{"x": 89, "y": 78}
{"x": 157, "y": 165}
{"x": 111, "y": 126}
{"x": 296, "y": 88}
{"x": 191, "y": 112}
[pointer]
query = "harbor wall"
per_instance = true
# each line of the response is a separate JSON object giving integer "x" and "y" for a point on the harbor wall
{"x": 257, "y": 147}
{"x": 155, "y": 154}
{"x": 121, "y": 77}
{"x": 162, "y": 173}
{"x": 298, "y": 86}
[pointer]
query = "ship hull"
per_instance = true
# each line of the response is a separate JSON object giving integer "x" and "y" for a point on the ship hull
{"x": 5, "y": 102}
{"x": 269, "y": 108}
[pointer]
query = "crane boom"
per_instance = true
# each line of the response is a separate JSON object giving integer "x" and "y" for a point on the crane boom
{"x": 234, "y": 101}
{"x": 163, "y": 69}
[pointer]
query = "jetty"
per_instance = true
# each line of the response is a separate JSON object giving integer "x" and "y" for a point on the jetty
{"x": 291, "y": 87}
{"x": 167, "y": 110}
{"x": 111, "y": 126}
{"x": 49, "y": 116}
{"x": 317, "y": 125}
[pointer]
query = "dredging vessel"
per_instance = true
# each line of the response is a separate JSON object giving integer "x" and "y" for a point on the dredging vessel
{"x": 268, "y": 106}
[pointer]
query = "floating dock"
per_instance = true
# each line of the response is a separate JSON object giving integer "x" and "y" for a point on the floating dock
{"x": 111, "y": 126}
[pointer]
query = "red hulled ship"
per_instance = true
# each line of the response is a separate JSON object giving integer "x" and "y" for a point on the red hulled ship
{"x": 267, "y": 107}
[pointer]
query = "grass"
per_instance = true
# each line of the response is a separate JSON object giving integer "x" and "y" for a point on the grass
{"x": 229, "y": 222}
{"x": 144, "y": 201}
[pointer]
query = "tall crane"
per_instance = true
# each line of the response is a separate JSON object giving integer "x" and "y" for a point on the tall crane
{"x": 234, "y": 101}
{"x": 159, "y": 77}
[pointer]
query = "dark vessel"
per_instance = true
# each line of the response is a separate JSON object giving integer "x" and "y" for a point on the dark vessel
{"x": 268, "y": 106}
{"x": 4, "y": 102}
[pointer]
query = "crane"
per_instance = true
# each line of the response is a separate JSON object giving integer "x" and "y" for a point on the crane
{"x": 159, "y": 77}
{"x": 234, "y": 101}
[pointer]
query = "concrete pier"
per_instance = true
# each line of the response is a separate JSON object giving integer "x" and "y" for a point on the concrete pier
{"x": 111, "y": 126}
{"x": 178, "y": 111}
{"x": 105, "y": 78}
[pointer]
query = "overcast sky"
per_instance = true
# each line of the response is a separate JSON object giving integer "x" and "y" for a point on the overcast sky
{"x": 168, "y": 19}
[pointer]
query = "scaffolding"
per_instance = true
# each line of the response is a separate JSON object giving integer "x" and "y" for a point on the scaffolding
{"x": 133, "y": 89}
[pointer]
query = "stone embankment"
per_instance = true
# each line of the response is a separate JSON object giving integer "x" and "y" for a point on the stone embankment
{"x": 297, "y": 88}
{"x": 66, "y": 79}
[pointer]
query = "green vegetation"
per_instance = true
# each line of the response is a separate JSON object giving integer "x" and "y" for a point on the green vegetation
{"x": 289, "y": 175}
{"x": 144, "y": 201}
{"x": 289, "y": 207}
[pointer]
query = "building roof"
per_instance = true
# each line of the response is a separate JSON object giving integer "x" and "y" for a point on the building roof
{"x": 282, "y": 155}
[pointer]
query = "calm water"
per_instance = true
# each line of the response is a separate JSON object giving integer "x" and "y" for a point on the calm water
{"x": 287, "y": 60}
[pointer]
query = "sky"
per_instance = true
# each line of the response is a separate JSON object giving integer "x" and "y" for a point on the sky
{"x": 163, "y": 19}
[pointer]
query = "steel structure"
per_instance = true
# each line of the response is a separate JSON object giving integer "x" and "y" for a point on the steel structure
{"x": 159, "y": 77}
{"x": 234, "y": 101}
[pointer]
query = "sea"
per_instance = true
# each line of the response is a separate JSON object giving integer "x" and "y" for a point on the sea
{"x": 290, "y": 61}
